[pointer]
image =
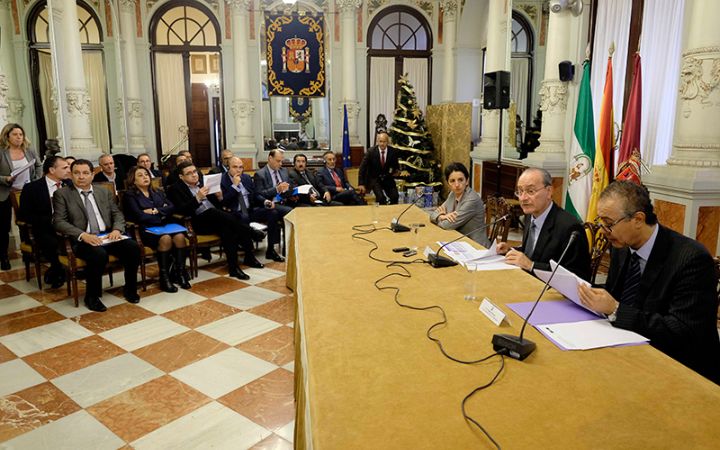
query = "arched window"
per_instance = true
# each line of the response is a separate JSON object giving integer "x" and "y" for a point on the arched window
{"x": 399, "y": 42}
{"x": 43, "y": 76}
{"x": 522, "y": 45}
{"x": 186, "y": 60}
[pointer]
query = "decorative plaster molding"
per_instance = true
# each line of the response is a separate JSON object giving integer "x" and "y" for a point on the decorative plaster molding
{"x": 78, "y": 102}
{"x": 701, "y": 50}
{"x": 238, "y": 6}
{"x": 553, "y": 96}
{"x": 4, "y": 88}
{"x": 348, "y": 5}
{"x": 54, "y": 100}
{"x": 135, "y": 108}
{"x": 693, "y": 162}
{"x": 353, "y": 109}
{"x": 693, "y": 87}
{"x": 529, "y": 9}
{"x": 5, "y": 5}
{"x": 127, "y": 5}
{"x": 242, "y": 109}
{"x": 450, "y": 9}
{"x": 16, "y": 107}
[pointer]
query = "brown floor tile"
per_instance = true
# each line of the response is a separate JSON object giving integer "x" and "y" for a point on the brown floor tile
{"x": 267, "y": 401}
{"x": 281, "y": 266}
{"x": 152, "y": 289}
{"x": 275, "y": 346}
{"x": 276, "y": 284}
{"x": 32, "y": 408}
{"x": 13, "y": 275}
{"x": 219, "y": 268}
{"x": 6, "y": 355}
{"x": 114, "y": 317}
{"x": 272, "y": 442}
{"x": 8, "y": 291}
{"x": 201, "y": 313}
{"x": 72, "y": 356}
{"x": 217, "y": 286}
{"x": 146, "y": 408}
{"x": 48, "y": 295}
{"x": 29, "y": 318}
{"x": 281, "y": 310}
{"x": 179, "y": 351}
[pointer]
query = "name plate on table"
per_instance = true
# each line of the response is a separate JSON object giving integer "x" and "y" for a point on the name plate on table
{"x": 492, "y": 312}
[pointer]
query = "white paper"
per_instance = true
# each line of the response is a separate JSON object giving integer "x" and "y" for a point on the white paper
{"x": 212, "y": 182}
{"x": 106, "y": 241}
{"x": 566, "y": 283}
{"x": 304, "y": 189}
{"x": 258, "y": 226}
{"x": 22, "y": 169}
{"x": 464, "y": 252}
{"x": 590, "y": 334}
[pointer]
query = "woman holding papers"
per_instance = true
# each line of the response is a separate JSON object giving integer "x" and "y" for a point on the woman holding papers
{"x": 19, "y": 164}
{"x": 463, "y": 210}
{"x": 152, "y": 211}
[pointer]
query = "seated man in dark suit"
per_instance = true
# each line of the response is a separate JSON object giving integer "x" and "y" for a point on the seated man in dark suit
{"x": 299, "y": 175}
{"x": 273, "y": 180}
{"x": 108, "y": 174}
{"x": 225, "y": 156}
{"x": 84, "y": 213}
{"x": 547, "y": 229}
{"x": 240, "y": 197}
{"x": 192, "y": 199}
{"x": 143, "y": 160}
{"x": 333, "y": 180}
{"x": 36, "y": 209}
{"x": 661, "y": 284}
{"x": 377, "y": 169}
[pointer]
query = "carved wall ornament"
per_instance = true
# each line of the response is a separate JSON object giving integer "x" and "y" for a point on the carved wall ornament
{"x": 15, "y": 109}
{"x": 450, "y": 8}
{"x": 353, "y": 109}
{"x": 553, "y": 96}
{"x": 127, "y": 5}
{"x": 348, "y": 5}
{"x": 135, "y": 108}
{"x": 426, "y": 6}
{"x": 374, "y": 5}
{"x": 242, "y": 109}
{"x": 54, "y": 100}
{"x": 4, "y": 88}
{"x": 529, "y": 9}
{"x": 78, "y": 102}
{"x": 238, "y": 5}
{"x": 694, "y": 87}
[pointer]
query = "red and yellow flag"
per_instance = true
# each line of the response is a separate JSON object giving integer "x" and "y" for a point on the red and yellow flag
{"x": 605, "y": 144}
{"x": 629, "y": 157}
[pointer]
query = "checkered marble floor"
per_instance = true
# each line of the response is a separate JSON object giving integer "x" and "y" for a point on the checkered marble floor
{"x": 206, "y": 368}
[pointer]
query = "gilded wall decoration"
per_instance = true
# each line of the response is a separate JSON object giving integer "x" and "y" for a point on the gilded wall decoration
{"x": 529, "y": 9}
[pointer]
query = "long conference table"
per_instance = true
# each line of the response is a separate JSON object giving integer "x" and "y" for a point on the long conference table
{"x": 367, "y": 377}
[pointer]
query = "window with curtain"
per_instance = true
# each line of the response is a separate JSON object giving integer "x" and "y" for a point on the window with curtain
{"x": 43, "y": 77}
{"x": 399, "y": 42}
{"x": 521, "y": 79}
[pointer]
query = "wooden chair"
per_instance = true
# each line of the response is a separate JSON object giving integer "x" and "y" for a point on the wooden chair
{"x": 28, "y": 246}
{"x": 73, "y": 265}
{"x": 495, "y": 208}
{"x": 717, "y": 275}
{"x": 133, "y": 230}
{"x": 598, "y": 246}
{"x": 156, "y": 184}
{"x": 198, "y": 241}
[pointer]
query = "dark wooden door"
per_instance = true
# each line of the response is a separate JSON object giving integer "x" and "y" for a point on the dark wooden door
{"x": 200, "y": 126}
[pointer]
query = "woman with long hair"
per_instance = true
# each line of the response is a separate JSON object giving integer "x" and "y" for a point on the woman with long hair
{"x": 150, "y": 208}
{"x": 15, "y": 154}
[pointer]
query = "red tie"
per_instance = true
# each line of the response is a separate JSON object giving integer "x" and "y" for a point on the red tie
{"x": 58, "y": 185}
{"x": 382, "y": 158}
{"x": 338, "y": 183}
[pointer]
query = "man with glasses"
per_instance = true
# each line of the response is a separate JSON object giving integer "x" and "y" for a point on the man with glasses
{"x": 661, "y": 284}
{"x": 547, "y": 229}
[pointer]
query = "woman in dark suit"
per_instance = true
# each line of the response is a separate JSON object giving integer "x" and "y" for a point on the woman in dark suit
{"x": 150, "y": 208}
{"x": 15, "y": 152}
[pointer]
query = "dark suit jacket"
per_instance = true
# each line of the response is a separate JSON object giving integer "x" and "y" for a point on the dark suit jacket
{"x": 216, "y": 169}
{"x": 231, "y": 197}
{"x": 135, "y": 202}
{"x": 35, "y": 206}
{"x": 184, "y": 201}
{"x": 264, "y": 183}
{"x": 298, "y": 180}
{"x": 100, "y": 177}
{"x": 677, "y": 302}
{"x": 554, "y": 235}
{"x": 326, "y": 180}
{"x": 371, "y": 170}
{"x": 70, "y": 217}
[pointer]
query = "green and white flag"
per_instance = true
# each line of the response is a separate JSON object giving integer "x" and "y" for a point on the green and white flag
{"x": 582, "y": 151}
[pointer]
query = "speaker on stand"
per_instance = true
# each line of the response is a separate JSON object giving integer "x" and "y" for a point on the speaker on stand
{"x": 496, "y": 95}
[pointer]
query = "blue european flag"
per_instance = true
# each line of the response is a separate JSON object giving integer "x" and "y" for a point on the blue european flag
{"x": 346, "y": 139}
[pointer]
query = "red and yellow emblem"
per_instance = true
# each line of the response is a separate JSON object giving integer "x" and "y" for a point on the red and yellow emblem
{"x": 296, "y": 56}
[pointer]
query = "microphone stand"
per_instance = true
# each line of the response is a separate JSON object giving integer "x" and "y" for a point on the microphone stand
{"x": 395, "y": 225}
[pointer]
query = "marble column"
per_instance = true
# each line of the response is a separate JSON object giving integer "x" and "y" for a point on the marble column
{"x": 348, "y": 25}
{"x": 77, "y": 97}
{"x": 686, "y": 191}
{"x": 243, "y": 108}
{"x": 450, "y": 13}
{"x": 551, "y": 153}
{"x": 134, "y": 108}
{"x": 11, "y": 105}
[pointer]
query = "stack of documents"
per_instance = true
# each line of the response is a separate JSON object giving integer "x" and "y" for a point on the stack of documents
{"x": 470, "y": 257}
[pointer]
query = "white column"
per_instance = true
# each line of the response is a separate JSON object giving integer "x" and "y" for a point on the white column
{"x": 242, "y": 107}
{"x": 76, "y": 93}
{"x": 348, "y": 24}
{"x": 497, "y": 57}
{"x": 11, "y": 105}
{"x": 450, "y": 12}
{"x": 554, "y": 95}
{"x": 134, "y": 108}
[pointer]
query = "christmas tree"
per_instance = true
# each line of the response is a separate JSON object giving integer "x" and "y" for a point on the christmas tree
{"x": 418, "y": 163}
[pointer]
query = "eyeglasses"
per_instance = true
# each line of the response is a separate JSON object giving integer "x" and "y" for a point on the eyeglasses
{"x": 609, "y": 227}
{"x": 529, "y": 191}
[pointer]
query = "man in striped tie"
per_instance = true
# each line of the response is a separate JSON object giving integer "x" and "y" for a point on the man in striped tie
{"x": 661, "y": 284}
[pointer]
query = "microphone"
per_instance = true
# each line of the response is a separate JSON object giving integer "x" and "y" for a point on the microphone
{"x": 517, "y": 347}
{"x": 437, "y": 261}
{"x": 395, "y": 225}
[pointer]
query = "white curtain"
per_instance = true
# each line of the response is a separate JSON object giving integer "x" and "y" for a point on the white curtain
{"x": 171, "y": 98}
{"x": 47, "y": 83}
{"x": 417, "y": 70}
{"x": 519, "y": 86}
{"x": 660, "y": 46}
{"x": 613, "y": 25}
{"x": 382, "y": 92}
{"x": 95, "y": 83}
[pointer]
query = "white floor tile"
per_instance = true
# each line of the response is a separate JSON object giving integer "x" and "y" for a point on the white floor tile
{"x": 238, "y": 328}
{"x": 248, "y": 297}
{"x": 204, "y": 275}
{"x": 44, "y": 337}
{"x": 287, "y": 432}
{"x": 230, "y": 370}
{"x": 25, "y": 286}
{"x": 165, "y": 301}
{"x": 67, "y": 307}
{"x": 144, "y": 332}
{"x": 79, "y": 430}
{"x": 16, "y": 375}
{"x": 103, "y": 380}
{"x": 261, "y": 275}
{"x": 211, "y": 426}
{"x": 17, "y": 303}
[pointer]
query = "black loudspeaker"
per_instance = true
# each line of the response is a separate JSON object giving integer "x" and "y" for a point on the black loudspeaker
{"x": 496, "y": 94}
{"x": 566, "y": 70}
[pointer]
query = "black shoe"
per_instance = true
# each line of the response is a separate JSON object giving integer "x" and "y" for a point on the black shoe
{"x": 4, "y": 264}
{"x": 239, "y": 274}
{"x": 94, "y": 304}
{"x": 131, "y": 295}
{"x": 272, "y": 254}
{"x": 205, "y": 254}
{"x": 57, "y": 282}
{"x": 251, "y": 261}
